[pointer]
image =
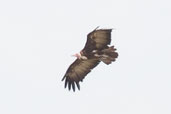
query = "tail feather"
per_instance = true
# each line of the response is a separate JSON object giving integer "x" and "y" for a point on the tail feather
{"x": 109, "y": 55}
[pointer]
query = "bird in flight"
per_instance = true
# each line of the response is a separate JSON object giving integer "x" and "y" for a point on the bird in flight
{"x": 96, "y": 49}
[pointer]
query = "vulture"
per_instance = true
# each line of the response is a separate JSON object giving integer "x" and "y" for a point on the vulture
{"x": 96, "y": 49}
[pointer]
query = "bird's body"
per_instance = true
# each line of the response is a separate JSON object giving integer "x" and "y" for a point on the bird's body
{"x": 96, "y": 50}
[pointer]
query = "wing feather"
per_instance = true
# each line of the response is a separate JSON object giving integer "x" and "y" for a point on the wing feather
{"x": 77, "y": 71}
{"x": 97, "y": 40}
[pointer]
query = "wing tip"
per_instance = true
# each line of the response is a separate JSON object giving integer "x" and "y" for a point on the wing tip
{"x": 63, "y": 78}
{"x": 96, "y": 28}
{"x": 71, "y": 84}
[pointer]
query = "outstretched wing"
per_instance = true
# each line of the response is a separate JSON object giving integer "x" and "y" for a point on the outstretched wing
{"x": 97, "y": 40}
{"x": 77, "y": 71}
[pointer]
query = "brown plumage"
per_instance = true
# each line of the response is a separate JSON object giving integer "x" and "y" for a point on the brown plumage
{"x": 95, "y": 51}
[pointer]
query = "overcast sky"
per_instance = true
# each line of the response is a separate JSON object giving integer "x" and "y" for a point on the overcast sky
{"x": 38, "y": 37}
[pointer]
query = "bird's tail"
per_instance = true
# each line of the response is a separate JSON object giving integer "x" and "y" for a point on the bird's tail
{"x": 108, "y": 55}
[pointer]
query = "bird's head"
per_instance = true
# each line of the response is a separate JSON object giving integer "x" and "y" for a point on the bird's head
{"x": 77, "y": 55}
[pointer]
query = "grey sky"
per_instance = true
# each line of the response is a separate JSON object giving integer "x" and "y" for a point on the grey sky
{"x": 37, "y": 38}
